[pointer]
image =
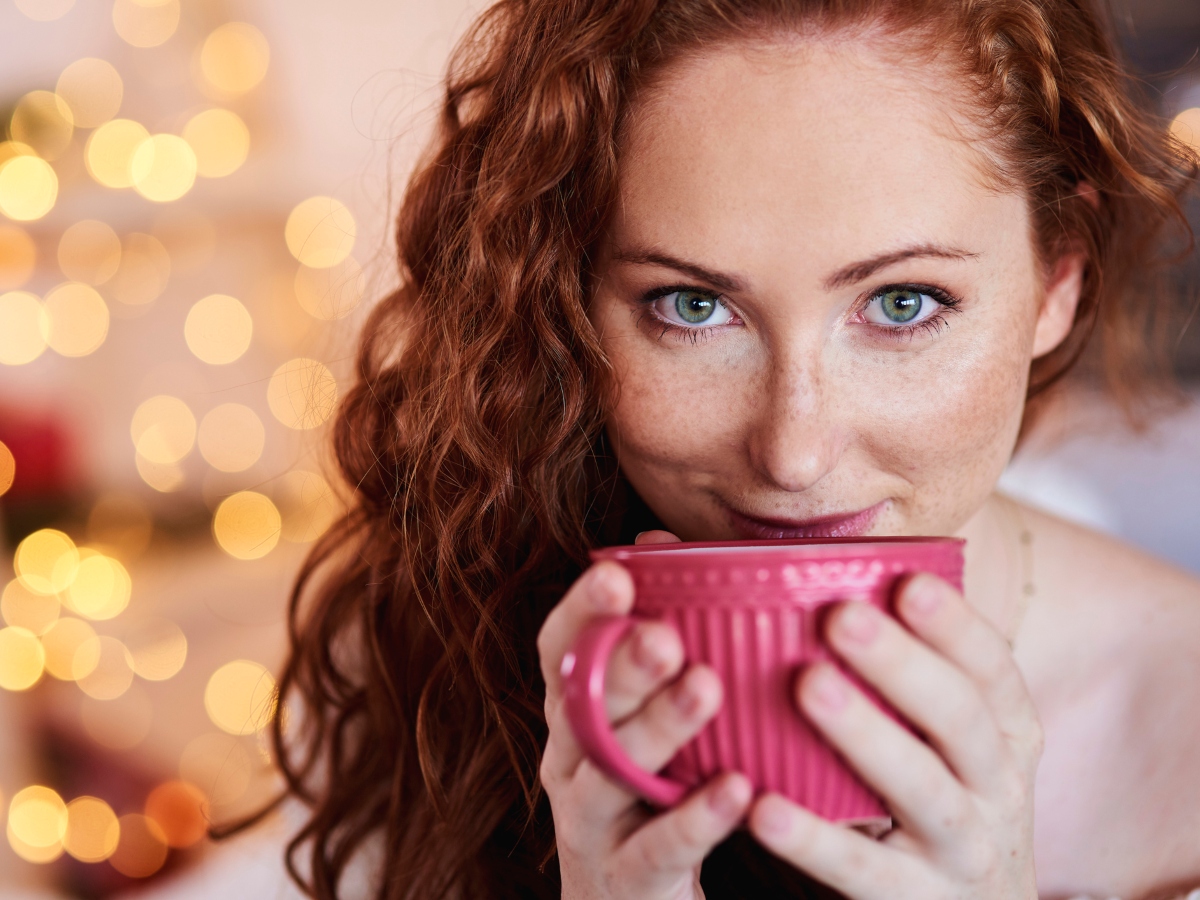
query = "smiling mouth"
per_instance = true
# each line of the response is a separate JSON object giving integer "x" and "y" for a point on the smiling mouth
{"x": 854, "y": 524}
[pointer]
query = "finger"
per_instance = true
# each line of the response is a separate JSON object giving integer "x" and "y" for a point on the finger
{"x": 604, "y": 589}
{"x": 939, "y": 615}
{"x": 927, "y": 689}
{"x": 646, "y": 660}
{"x": 652, "y": 736}
{"x": 919, "y": 790}
{"x": 657, "y": 536}
{"x": 842, "y": 858}
{"x": 678, "y": 840}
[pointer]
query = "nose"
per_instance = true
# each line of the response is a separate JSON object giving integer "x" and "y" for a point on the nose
{"x": 795, "y": 441}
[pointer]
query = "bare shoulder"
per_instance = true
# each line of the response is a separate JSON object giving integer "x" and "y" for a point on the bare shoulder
{"x": 1111, "y": 650}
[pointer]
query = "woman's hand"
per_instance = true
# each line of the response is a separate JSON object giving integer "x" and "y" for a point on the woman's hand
{"x": 608, "y": 845}
{"x": 963, "y": 801}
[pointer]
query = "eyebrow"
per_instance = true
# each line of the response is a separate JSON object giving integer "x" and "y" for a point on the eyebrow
{"x": 850, "y": 274}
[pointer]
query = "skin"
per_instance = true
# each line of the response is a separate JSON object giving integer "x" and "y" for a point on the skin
{"x": 803, "y": 177}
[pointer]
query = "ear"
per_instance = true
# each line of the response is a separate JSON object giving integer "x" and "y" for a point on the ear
{"x": 1059, "y": 303}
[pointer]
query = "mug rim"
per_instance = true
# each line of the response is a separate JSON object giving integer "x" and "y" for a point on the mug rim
{"x": 772, "y": 546}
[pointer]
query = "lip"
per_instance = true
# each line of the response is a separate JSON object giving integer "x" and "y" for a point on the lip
{"x": 853, "y": 524}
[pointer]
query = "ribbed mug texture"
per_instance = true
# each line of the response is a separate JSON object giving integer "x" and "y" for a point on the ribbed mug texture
{"x": 753, "y": 613}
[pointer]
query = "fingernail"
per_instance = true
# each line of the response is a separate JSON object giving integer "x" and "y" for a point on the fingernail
{"x": 773, "y": 817}
{"x": 923, "y": 597}
{"x": 601, "y": 591}
{"x": 858, "y": 622}
{"x": 647, "y": 654}
{"x": 686, "y": 698}
{"x": 828, "y": 689}
{"x": 730, "y": 797}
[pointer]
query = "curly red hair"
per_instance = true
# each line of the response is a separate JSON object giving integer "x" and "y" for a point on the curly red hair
{"x": 472, "y": 439}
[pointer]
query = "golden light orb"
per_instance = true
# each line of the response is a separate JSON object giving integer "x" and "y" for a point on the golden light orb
{"x": 240, "y": 697}
{"x": 308, "y": 506}
{"x": 320, "y": 232}
{"x": 219, "y": 765}
{"x": 103, "y": 668}
{"x": 109, "y": 152}
{"x": 43, "y": 121}
{"x": 61, "y": 642}
{"x": 166, "y": 478}
{"x": 220, "y": 140}
{"x": 28, "y": 188}
{"x": 231, "y": 437}
{"x": 8, "y": 469}
{"x": 46, "y": 561}
{"x": 1186, "y": 127}
{"x": 27, "y": 609}
{"x": 119, "y": 724}
{"x": 93, "y": 831}
{"x": 145, "y": 24}
{"x": 77, "y": 319}
{"x": 302, "y": 393}
{"x": 18, "y": 257}
{"x": 158, "y": 648}
{"x": 22, "y": 659}
{"x": 45, "y": 10}
{"x": 92, "y": 89}
{"x": 144, "y": 272}
{"x": 246, "y": 525}
{"x": 181, "y": 810}
{"x": 89, "y": 252}
{"x": 163, "y": 429}
{"x": 37, "y": 824}
{"x": 234, "y": 58}
{"x": 331, "y": 293}
{"x": 218, "y": 329}
{"x": 163, "y": 168}
{"x": 23, "y": 327}
{"x": 101, "y": 589}
{"x": 142, "y": 848}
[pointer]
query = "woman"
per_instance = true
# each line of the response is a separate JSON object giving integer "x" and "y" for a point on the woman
{"x": 711, "y": 269}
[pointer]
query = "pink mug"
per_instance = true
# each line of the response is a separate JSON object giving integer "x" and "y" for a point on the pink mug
{"x": 751, "y": 610}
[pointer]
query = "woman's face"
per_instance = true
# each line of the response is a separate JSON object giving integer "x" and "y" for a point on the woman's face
{"x": 820, "y": 315}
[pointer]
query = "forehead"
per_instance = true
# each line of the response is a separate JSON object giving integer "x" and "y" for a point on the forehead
{"x": 821, "y": 141}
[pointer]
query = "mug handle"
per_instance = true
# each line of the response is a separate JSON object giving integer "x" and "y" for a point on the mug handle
{"x": 583, "y": 669}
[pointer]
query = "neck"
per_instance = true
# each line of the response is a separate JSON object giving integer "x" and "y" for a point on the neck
{"x": 995, "y": 578}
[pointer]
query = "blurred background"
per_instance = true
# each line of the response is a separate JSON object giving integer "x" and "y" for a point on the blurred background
{"x": 195, "y": 199}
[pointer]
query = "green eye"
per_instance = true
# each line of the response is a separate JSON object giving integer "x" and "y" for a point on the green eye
{"x": 694, "y": 307}
{"x": 900, "y": 306}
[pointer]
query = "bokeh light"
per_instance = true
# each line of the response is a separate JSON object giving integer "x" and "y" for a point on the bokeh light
{"x": 90, "y": 252}
{"x": 330, "y": 293}
{"x": 8, "y": 469}
{"x": 22, "y": 659}
{"x": 181, "y": 810}
{"x": 240, "y": 697}
{"x": 302, "y": 393}
{"x": 163, "y": 477}
{"x": 102, "y": 667}
{"x": 23, "y": 328}
{"x": 218, "y": 329}
{"x": 61, "y": 642}
{"x": 234, "y": 58}
{"x": 92, "y": 89}
{"x": 163, "y": 429}
{"x": 46, "y": 561}
{"x": 110, "y": 149}
{"x": 220, "y": 140}
{"x": 18, "y": 256}
{"x": 219, "y": 765}
{"x": 142, "y": 848}
{"x": 119, "y": 724}
{"x": 1186, "y": 127}
{"x": 246, "y": 525}
{"x": 45, "y": 10}
{"x": 144, "y": 272}
{"x": 158, "y": 648}
{"x": 28, "y": 188}
{"x": 101, "y": 588}
{"x": 320, "y": 232}
{"x": 231, "y": 437}
{"x": 145, "y": 23}
{"x": 43, "y": 121}
{"x": 27, "y": 609}
{"x": 308, "y": 506}
{"x": 163, "y": 168}
{"x": 120, "y": 524}
{"x": 76, "y": 319}
{"x": 93, "y": 831}
{"x": 37, "y": 824}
